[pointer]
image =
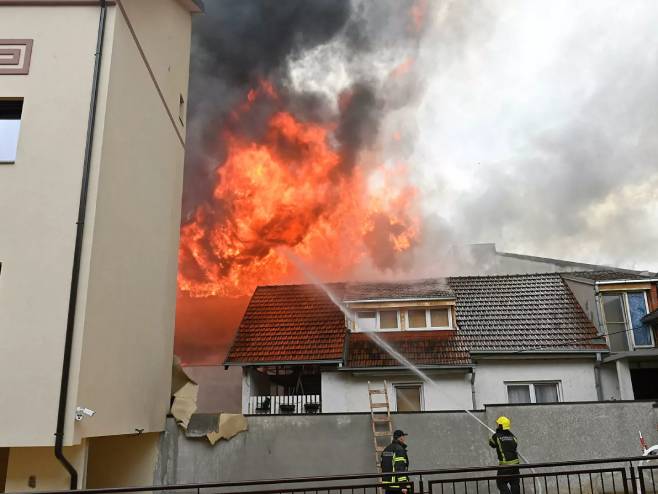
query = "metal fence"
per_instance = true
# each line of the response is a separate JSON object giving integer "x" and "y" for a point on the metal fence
{"x": 284, "y": 405}
{"x": 636, "y": 475}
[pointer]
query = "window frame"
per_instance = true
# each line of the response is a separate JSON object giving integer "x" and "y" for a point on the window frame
{"x": 378, "y": 328}
{"x": 428, "y": 318}
{"x": 630, "y": 334}
{"x": 531, "y": 387}
{"x": 628, "y": 323}
{"x": 15, "y": 144}
{"x": 409, "y": 384}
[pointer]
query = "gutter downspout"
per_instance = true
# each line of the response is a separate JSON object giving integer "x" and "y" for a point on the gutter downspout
{"x": 597, "y": 377}
{"x": 77, "y": 254}
{"x": 473, "y": 387}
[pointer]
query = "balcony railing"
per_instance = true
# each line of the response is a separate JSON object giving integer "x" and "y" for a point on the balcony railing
{"x": 284, "y": 405}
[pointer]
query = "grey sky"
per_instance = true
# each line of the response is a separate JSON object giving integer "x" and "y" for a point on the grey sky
{"x": 538, "y": 128}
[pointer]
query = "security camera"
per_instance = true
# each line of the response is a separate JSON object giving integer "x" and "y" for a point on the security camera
{"x": 81, "y": 412}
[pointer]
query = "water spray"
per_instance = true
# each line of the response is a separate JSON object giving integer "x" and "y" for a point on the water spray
{"x": 380, "y": 341}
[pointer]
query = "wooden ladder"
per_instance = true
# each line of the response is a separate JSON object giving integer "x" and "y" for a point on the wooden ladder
{"x": 380, "y": 419}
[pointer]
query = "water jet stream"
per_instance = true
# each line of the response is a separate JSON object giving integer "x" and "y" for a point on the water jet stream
{"x": 379, "y": 341}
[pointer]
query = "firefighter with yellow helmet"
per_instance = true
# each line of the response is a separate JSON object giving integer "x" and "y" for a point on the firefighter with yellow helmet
{"x": 505, "y": 444}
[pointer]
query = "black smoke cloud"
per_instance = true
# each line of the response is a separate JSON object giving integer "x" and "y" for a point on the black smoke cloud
{"x": 237, "y": 44}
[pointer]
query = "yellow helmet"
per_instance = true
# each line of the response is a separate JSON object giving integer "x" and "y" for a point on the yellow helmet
{"x": 504, "y": 422}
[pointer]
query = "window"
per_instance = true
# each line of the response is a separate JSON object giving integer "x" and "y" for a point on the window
{"x": 637, "y": 309}
{"x": 10, "y": 124}
{"x": 388, "y": 319}
{"x": 417, "y": 318}
{"x": 615, "y": 322}
{"x": 623, "y": 313}
{"x": 384, "y": 320}
{"x": 408, "y": 397}
{"x": 439, "y": 318}
{"x": 367, "y": 321}
{"x": 540, "y": 392}
{"x": 429, "y": 318}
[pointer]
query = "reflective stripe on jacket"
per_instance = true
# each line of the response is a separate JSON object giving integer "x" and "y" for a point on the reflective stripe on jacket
{"x": 396, "y": 461}
{"x": 505, "y": 444}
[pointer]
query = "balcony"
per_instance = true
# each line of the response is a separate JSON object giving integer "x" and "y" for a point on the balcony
{"x": 284, "y": 405}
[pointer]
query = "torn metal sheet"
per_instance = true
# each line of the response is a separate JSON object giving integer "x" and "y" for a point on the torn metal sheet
{"x": 179, "y": 377}
{"x": 185, "y": 403}
{"x": 230, "y": 425}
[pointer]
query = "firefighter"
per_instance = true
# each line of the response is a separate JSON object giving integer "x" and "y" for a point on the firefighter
{"x": 504, "y": 442}
{"x": 396, "y": 461}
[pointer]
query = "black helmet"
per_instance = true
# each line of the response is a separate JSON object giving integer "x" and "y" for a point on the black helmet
{"x": 398, "y": 434}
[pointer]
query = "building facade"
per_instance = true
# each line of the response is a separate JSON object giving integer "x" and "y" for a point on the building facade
{"x": 620, "y": 305}
{"x": 476, "y": 340}
{"x": 92, "y": 139}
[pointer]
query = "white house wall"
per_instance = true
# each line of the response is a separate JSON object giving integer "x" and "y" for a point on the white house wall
{"x": 345, "y": 391}
{"x": 609, "y": 382}
{"x": 576, "y": 377}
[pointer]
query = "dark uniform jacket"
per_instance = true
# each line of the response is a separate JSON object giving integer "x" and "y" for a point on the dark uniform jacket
{"x": 505, "y": 444}
{"x": 396, "y": 461}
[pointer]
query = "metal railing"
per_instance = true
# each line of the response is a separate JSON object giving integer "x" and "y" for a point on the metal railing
{"x": 627, "y": 475}
{"x": 284, "y": 405}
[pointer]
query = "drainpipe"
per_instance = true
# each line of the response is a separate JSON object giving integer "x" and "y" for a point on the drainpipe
{"x": 597, "y": 377}
{"x": 75, "y": 271}
{"x": 473, "y": 388}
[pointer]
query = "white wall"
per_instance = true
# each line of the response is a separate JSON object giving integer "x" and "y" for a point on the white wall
{"x": 609, "y": 382}
{"x": 586, "y": 296}
{"x": 129, "y": 307}
{"x": 344, "y": 391}
{"x": 576, "y": 377}
{"x": 48, "y": 472}
{"x": 40, "y": 194}
{"x": 123, "y": 336}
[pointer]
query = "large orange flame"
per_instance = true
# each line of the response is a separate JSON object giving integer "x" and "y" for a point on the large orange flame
{"x": 288, "y": 190}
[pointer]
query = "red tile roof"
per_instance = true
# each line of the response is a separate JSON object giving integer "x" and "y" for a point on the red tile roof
{"x": 517, "y": 313}
{"x": 421, "y": 348}
{"x": 290, "y": 323}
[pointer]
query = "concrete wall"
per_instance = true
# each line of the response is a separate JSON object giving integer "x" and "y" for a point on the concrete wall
{"x": 40, "y": 463}
{"x": 344, "y": 391}
{"x": 40, "y": 194}
{"x": 120, "y": 461}
{"x": 129, "y": 317}
{"x": 576, "y": 377}
{"x": 219, "y": 389}
{"x": 289, "y": 446}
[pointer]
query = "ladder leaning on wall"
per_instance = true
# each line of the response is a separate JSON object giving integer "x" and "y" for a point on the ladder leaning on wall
{"x": 380, "y": 419}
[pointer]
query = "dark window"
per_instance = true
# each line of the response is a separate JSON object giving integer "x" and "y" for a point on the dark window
{"x": 10, "y": 124}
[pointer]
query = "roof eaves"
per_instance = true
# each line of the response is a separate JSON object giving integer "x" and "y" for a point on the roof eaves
{"x": 402, "y": 368}
{"x": 282, "y": 362}
{"x": 521, "y": 353}
{"x": 577, "y": 279}
{"x": 409, "y": 299}
{"x": 626, "y": 281}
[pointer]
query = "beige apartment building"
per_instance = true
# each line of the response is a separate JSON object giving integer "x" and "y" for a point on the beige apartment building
{"x": 92, "y": 139}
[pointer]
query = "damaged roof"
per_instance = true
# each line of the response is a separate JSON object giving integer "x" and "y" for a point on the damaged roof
{"x": 429, "y": 289}
{"x": 290, "y": 323}
{"x": 514, "y": 313}
{"x": 421, "y": 348}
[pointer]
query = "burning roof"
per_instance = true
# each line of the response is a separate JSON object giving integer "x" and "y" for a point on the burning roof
{"x": 512, "y": 314}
